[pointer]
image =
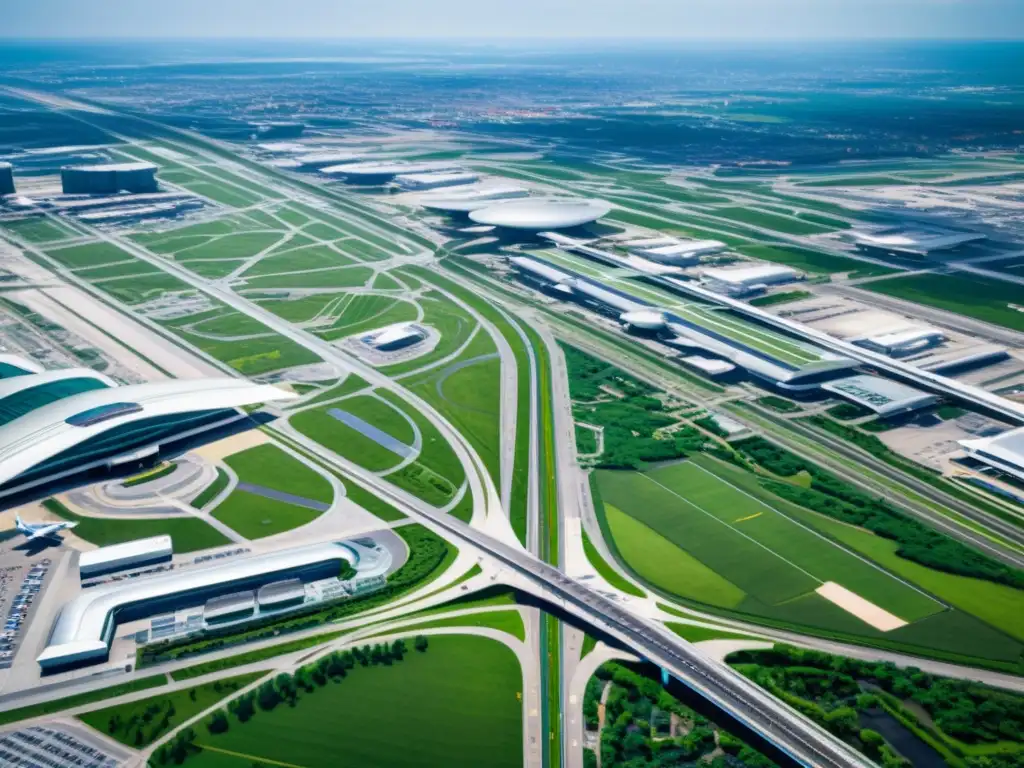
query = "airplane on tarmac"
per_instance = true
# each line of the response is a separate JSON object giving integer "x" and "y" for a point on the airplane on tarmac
{"x": 33, "y": 531}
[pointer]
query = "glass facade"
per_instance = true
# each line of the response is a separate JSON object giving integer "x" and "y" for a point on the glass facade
{"x": 28, "y": 400}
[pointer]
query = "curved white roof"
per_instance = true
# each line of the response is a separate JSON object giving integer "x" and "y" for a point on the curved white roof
{"x": 79, "y": 631}
{"x": 1004, "y": 451}
{"x": 21, "y": 362}
{"x": 45, "y": 432}
{"x": 17, "y": 384}
{"x": 645, "y": 319}
{"x": 542, "y": 213}
{"x": 392, "y": 169}
{"x": 474, "y": 199}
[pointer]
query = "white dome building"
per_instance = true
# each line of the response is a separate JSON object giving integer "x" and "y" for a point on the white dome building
{"x": 542, "y": 214}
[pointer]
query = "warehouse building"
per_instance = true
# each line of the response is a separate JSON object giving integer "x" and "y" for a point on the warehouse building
{"x": 108, "y": 179}
{"x": 124, "y": 557}
{"x": 6, "y": 179}
{"x": 87, "y": 624}
{"x": 885, "y": 397}
{"x": 1004, "y": 452}
{"x": 421, "y": 182}
{"x": 744, "y": 281}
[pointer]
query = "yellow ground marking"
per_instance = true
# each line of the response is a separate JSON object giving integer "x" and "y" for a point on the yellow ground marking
{"x": 748, "y": 517}
{"x": 159, "y": 468}
{"x": 244, "y": 756}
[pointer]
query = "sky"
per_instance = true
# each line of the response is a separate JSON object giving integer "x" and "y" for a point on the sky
{"x": 689, "y": 19}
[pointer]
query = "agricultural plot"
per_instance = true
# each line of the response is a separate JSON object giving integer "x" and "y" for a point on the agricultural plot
{"x": 772, "y": 558}
{"x": 459, "y": 708}
{"x": 983, "y": 298}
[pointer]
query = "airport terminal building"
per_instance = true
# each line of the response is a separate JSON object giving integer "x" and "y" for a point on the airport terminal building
{"x": 75, "y": 426}
{"x": 232, "y": 590}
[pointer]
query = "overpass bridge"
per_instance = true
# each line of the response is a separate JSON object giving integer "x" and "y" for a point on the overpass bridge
{"x": 796, "y": 736}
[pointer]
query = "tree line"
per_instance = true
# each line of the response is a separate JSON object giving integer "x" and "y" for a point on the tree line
{"x": 286, "y": 689}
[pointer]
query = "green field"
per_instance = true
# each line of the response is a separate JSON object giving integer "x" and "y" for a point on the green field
{"x": 298, "y": 260}
{"x": 89, "y": 255}
{"x": 255, "y": 516}
{"x": 813, "y": 261}
{"x": 189, "y": 534}
{"x": 81, "y": 699}
{"x": 144, "y": 287}
{"x": 503, "y": 621}
{"x": 467, "y": 393}
{"x": 982, "y": 298}
{"x": 38, "y": 230}
{"x": 318, "y": 424}
{"x": 271, "y": 467}
{"x": 141, "y": 722}
{"x": 760, "y": 550}
{"x": 339, "y": 277}
{"x": 608, "y": 573}
{"x": 458, "y": 707}
{"x": 117, "y": 269}
{"x": 774, "y": 222}
{"x": 239, "y": 245}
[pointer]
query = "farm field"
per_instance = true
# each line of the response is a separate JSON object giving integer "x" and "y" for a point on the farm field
{"x": 763, "y": 552}
{"x": 458, "y": 708}
{"x": 979, "y": 297}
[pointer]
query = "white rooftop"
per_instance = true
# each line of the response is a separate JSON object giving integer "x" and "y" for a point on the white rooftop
{"x": 539, "y": 214}
{"x": 1004, "y": 451}
{"x": 739, "y": 275}
{"x": 883, "y": 396}
{"x": 116, "y": 552}
{"x": 914, "y": 240}
{"x": 107, "y": 167}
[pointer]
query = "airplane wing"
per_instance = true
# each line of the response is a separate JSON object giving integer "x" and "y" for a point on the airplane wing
{"x": 48, "y": 531}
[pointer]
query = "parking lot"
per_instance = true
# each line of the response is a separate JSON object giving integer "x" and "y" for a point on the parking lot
{"x": 20, "y": 588}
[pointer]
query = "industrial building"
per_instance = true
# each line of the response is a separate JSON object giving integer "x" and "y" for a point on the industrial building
{"x": 421, "y": 182}
{"x": 911, "y": 240}
{"x": 744, "y": 281}
{"x": 87, "y": 624}
{"x": 694, "y": 327}
{"x": 1004, "y": 452}
{"x": 902, "y": 342}
{"x": 123, "y": 557}
{"x": 108, "y": 179}
{"x": 474, "y": 199}
{"x": 77, "y": 428}
{"x": 395, "y": 337}
{"x": 6, "y": 179}
{"x": 885, "y": 397}
{"x": 678, "y": 253}
{"x": 537, "y": 215}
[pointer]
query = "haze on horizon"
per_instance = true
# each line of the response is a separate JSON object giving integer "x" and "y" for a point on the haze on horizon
{"x": 440, "y": 19}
